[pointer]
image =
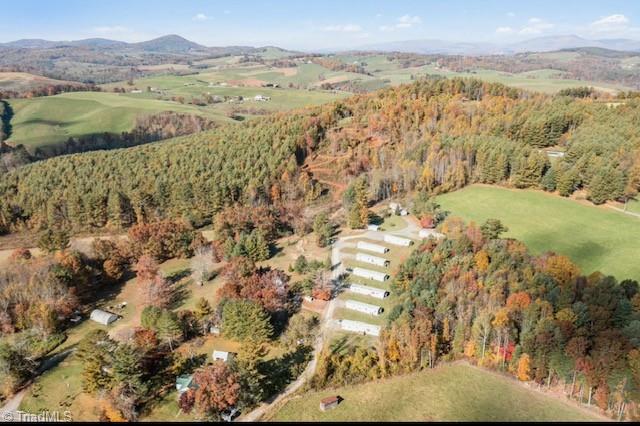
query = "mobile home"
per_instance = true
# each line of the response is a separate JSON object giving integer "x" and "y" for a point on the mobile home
{"x": 363, "y": 245}
{"x": 360, "y": 327}
{"x": 397, "y": 241}
{"x": 371, "y": 275}
{"x": 368, "y": 291}
{"x": 373, "y": 260}
{"x": 365, "y": 308}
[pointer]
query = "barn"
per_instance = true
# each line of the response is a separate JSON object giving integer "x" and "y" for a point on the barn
{"x": 371, "y": 275}
{"x": 397, "y": 241}
{"x": 365, "y": 308}
{"x": 103, "y": 317}
{"x": 363, "y": 245}
{"x": 368, "y": 291}
{"x": 360, "y": 327}
{"x": 373, "y": 260}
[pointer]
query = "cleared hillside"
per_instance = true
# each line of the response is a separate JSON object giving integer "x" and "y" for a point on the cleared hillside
{"x": 448, "y": 393}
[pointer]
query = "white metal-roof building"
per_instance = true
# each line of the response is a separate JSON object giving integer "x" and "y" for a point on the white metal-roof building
{"x": 365, "y": 308}
{"x": 373, "y": 260}
{"x": 376, "y": 248}
{"x": 373, "y": 227}
{"x": 103, "y": 317}
{"x": 397, "y": 241}
{"x": 368, "y": 291}
{"x": 223, "y": 356}
{"x": 360, "y": 327}
{"x": 369, "y": 274}
{"x": 427, "y": 233}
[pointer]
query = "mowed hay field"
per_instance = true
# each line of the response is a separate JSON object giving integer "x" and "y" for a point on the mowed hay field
{"x": 595, "y": 238}
{"x": 448, "y": 393}
{"x": 50, "y": 120}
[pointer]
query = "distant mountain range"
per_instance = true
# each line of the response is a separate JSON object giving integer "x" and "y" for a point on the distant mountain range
{"x": 166, "y": 44}
{"x": 540, "y": 44}
{"x": 174, "y": 44}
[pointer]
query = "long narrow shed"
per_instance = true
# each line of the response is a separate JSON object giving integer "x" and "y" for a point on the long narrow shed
{"x": 368, "y": 291}
{"x": 371, "y": 259}
{"x": 365, "y": 308}
{"x": 371, "y": 275}
{"x": 375, "y": 248}
{"x": 397, "y": 241}
{"x": 360, "y": 327}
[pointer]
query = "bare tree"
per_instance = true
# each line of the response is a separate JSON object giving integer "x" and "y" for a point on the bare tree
{"x": 202, "y": 264}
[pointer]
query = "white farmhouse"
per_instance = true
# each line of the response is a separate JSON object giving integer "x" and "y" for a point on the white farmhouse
{"x": 371, "y": 259}
{"x": 365, "y": 308}
{"x": 103, "y": 317}
{"x": 371, "y": 275}
{"x": 397, "y": 241}
{"x": 223, "y": 356}
{"x": 368, "y": 291}
{"x": 363, "y": 245}
{"x": 360, "y": 327}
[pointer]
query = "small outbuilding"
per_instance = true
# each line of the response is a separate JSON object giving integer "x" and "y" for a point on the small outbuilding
{"x": 223, "y": 356}
{"x": 329, "y": 403}
{"x": 184, "y": 383}
{"x": 373, "y": 227}
{"x": 103, "y": 317}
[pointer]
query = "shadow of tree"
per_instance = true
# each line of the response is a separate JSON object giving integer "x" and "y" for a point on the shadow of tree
{"x": 281, "y": 371}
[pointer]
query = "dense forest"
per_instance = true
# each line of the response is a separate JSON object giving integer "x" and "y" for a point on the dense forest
{"x": 477, "y": 296}
{"x": 438, "y": 135}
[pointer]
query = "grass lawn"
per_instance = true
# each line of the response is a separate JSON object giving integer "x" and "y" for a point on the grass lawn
{"x": 449, "y": 393}
{"x": 596, "y": 238}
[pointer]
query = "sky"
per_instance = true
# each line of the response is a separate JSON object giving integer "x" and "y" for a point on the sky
{"x": 320, "y": 24}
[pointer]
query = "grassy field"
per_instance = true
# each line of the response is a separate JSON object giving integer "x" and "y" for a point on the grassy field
{"x": 596, "y": 238}
{"x": 47, "y": 121}
{"x": 50, "y": 120}
{"x": 448, "y": 393}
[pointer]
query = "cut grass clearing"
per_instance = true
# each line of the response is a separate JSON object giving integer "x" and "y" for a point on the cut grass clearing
{"x": 449, "y": 393}
{"x": 595, "y": 238}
